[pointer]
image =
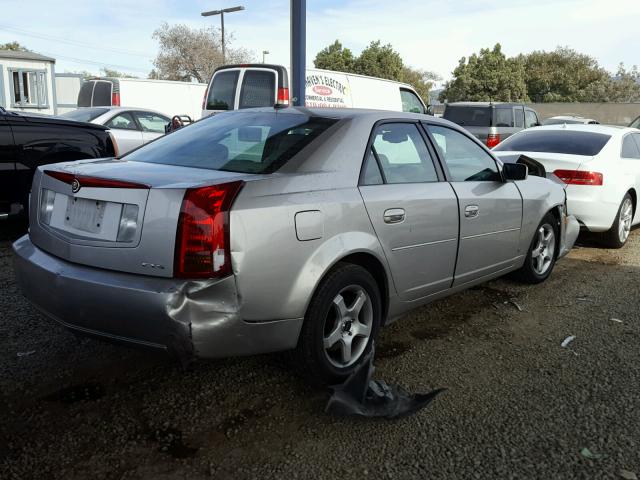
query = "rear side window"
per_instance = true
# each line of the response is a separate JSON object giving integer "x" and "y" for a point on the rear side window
{"x": 555, "y": 141}
{"x": 530, "y": 119}
{"x": 465, "y": 159}
{"x": 503, "y": 117}
{"x": 519, "y": 117}
{"x": 479, "y": 116}
{"x": 236, "y": 142}
{"x": 410, "y": 102}
{"x": 85, "y": 94}
{"x": 102, "y": 94}
{"x": 630, "y": 147}
{"x": 223, "y": 90}
{"x": 402, "y": 154}
{"x": 258, "y": 89}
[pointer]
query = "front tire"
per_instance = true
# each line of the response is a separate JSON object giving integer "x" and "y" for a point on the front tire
{"x": 542, "y": 254}
{"x": 341, "y": 322}
{"x": 617, "y": 236}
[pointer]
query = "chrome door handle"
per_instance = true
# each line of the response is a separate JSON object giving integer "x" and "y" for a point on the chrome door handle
{"x": 394, "y": 215}
{"x": 471, "y": 211}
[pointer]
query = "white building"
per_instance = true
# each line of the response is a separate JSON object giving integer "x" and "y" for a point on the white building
{"x": 27, "y": 82}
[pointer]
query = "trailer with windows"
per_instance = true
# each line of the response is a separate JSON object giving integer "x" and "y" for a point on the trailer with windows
{"x": 26, "y": 82}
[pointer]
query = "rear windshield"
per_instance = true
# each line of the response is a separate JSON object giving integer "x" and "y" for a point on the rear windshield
{"x": 258, "y": 89}
{"x": 555, "y": 141}
{"x": 84, "y": 96}
{"x": 223, "y": 90}
{"x": 248, "y": 142}
{"x": 84, "y": 114}
{"x": 479, "y": 116}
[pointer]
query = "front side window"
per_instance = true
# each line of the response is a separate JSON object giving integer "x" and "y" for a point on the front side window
{"x": 410, "y": 102}
{"x": 258, "y": 89}
{"x": 124, "y": 121}
{"x": 243, "y": 142}
{"x": 629, "y": 147}
{"x": 151, "y": 122}
{"x": 465, "y": 159}
{"x": 402, "y": 154}
{"x": 222, "y": 93}
{"x": 530, "y": 119}
{"x": 635, "y": 123}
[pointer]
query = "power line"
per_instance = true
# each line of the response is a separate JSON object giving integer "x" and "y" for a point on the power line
{"x": 93, "y": 62}
{"x": 76, "y": 43}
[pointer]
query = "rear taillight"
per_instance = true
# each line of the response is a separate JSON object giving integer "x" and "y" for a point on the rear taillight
{"x": 202, "y": 239}
{"x": 578, "y": 177}
{"x": 115, "y": 99}
{"x": 493, "y": 139}
{"x": 283, "y": 96}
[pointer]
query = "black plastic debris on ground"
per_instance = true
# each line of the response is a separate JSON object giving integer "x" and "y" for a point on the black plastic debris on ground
{"x": 363, "y": 396}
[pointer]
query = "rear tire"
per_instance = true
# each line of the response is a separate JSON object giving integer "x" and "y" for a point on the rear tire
{"x": 341, "y": 322}
{"x": 542, "y": 254}
{"x": 618, "y": 234}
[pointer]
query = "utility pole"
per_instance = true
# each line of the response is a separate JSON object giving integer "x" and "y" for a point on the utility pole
{"x": 221, "y": 13}
{"x": 298, "y": 50}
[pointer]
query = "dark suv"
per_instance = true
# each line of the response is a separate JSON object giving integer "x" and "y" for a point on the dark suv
{"x": 490, "y": 122}
{"x": 28, "y": 141}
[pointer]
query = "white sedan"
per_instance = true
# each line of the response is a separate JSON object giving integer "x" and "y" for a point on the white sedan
{"x": 600, "y": 165}
{"x": 131, "y": 127}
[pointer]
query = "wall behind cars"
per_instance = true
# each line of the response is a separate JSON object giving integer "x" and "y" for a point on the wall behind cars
{"x": 607, "y": 113}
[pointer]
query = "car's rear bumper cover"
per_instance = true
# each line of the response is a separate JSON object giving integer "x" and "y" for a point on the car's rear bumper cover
{"x": 189, "y": 318}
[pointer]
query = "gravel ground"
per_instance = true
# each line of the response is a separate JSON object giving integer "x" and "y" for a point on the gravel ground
{"x": 518, "y": 405}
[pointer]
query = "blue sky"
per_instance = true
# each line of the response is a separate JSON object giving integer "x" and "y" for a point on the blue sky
{"x": 433, "y": 35}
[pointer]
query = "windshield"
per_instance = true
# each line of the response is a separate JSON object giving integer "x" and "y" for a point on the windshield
{"x": 84, "y": 114}
{"x": 555, "y": 141}
{"x": 255, "y": 142}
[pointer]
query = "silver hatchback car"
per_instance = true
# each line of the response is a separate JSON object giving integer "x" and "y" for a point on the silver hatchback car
{"x": 264, "y": 230}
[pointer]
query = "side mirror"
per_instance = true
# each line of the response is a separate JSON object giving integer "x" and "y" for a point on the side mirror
{"x": 515, "y": 171}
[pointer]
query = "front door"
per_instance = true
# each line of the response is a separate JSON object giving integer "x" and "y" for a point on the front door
{"x": 413, "y": 211}
{"x": 490, "y": 209}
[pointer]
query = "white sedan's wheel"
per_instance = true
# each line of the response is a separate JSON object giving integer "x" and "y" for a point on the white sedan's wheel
{"x": 617, "y": 236}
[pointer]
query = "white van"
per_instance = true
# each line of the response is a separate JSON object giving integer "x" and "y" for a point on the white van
{"x": 172, "y": 98}
{"x": 234, "y": 87}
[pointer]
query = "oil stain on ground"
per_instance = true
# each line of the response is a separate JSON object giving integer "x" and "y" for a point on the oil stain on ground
{"x": 77, "y": 393}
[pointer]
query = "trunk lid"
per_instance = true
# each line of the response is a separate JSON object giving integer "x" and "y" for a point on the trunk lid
{"x": 114, "y": 214}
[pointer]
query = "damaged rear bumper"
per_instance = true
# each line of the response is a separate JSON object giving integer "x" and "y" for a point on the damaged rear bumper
{"x": 199, "y": 318}
{"x": 569, "y": 231}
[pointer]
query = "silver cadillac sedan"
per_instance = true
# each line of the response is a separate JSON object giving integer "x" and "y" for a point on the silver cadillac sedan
{"x": 264, "y": 230}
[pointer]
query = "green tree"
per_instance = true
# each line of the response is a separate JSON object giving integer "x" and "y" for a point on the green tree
{"x": 15, "y": 46}
{"x": 335, "y": 57}
{"x": 189, "y": 54}
{"x": 564, "y": 75}
{"x": 380, "y": 61}
{"x": 487, "y": 76}
{"x": 421, "y": 80}
{"x": 108, "y": 72}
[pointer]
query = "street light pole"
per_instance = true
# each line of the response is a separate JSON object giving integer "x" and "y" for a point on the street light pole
{"x": 221, "y": 13}
{"x": 264, "y": 54}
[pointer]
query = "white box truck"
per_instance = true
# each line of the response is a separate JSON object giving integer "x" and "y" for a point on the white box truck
{"x": 234, "y": 87}
{"x": 168, "y": 97}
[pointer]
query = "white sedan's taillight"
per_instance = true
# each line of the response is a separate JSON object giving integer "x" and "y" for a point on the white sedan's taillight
{"x": 47, "y": 198}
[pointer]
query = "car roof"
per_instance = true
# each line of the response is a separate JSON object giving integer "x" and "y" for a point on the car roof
{"x": 349, "y": 113}
{"x": 486, "y": 104}
{"x": 130, "y": 109}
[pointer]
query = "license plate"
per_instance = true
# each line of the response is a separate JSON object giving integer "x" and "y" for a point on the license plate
{"x": 85, "y": 214}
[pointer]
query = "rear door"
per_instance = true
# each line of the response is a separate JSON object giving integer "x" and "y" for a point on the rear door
{"x": 413, "y": 210}
{"x": 258, "y": 88}
{"x": 476, "y": 119}
{"x": 152, "y": 125}
{"x": 221, "y": 95}
{"x": 126, "y": 131}
{"x": 490, "y": 209}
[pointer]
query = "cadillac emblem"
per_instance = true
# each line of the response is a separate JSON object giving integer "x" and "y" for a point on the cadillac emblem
{"x": 75, "y": 185}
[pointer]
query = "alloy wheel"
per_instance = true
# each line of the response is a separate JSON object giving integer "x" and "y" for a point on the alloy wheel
{"x": 624, "y": 222}
{"x": 348, "y": 326}
{"x": 544, "y": 249}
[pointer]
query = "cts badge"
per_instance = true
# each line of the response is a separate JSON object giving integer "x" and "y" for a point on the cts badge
{"x": 75, "y": 185}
